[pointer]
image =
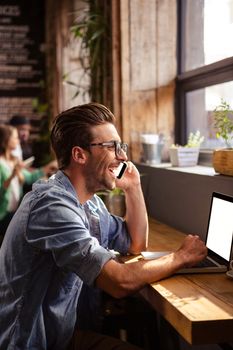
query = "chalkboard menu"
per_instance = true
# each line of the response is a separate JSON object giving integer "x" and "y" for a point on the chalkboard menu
{"x": 22, "y": 56}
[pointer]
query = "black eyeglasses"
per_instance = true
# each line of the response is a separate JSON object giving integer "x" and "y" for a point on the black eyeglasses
{"x": 117, "y": 145}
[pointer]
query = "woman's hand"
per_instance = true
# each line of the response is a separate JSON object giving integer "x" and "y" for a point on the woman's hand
{"x": 17, "y": 171}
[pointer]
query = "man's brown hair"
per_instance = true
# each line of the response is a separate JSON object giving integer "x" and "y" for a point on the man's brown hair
{"x": 73, "y": 127}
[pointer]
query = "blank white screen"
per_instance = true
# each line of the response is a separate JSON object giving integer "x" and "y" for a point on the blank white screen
{"x": 219, "y": 238}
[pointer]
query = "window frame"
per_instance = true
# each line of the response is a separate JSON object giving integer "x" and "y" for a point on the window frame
{"x": 208, "y": 75}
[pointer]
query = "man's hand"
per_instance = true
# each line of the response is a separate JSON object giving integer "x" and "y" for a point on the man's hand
{"x": 130, "y": 179}
{"x": 192, "y": 250}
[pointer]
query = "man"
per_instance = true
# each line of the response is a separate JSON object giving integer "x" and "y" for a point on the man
{"x": 62, "y": 236}
{"x": 22, "y": 124}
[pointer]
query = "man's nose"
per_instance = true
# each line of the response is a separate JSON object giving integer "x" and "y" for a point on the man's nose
{"x": 123, "y": 156}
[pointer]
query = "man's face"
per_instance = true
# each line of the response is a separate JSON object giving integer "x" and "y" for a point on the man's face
{"x": 24, "y": 132}
{"x": 102, "y": 160}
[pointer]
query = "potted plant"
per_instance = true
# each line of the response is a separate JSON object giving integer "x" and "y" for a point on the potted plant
{"x": 114, "y": 201}
{"x": 223, "y": 122}
{"x": 187, "y": 155}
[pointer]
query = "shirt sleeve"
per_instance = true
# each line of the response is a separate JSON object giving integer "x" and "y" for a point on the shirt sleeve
{"x": 4, "y": 192}
{"x": 32, "y": 176}
{"x": 58, "y": 225}
{"x": 119, "y": 238}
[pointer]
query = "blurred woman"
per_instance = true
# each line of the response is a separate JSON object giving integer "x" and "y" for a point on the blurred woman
{"x": 13, "y": 175}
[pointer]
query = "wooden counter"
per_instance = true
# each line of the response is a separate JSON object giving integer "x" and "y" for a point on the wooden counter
{"x": 198, "y": 306}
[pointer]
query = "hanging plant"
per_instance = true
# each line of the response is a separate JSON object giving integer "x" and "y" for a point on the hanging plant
{"x": 90, "y": 29}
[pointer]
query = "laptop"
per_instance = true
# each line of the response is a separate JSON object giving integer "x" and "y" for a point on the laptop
{"x": 219, "y": 237}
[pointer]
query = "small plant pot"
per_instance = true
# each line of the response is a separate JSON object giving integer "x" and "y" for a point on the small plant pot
{"x": 184, "y": 156}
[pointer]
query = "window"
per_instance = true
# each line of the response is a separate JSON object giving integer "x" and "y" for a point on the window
{"x": 205, "y": 66}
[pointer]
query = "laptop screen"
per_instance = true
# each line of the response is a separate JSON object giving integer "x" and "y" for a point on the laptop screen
{"x": 220, "y": 228}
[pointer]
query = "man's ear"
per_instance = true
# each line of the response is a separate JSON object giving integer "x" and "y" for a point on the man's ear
{"x": 79, "y": 155}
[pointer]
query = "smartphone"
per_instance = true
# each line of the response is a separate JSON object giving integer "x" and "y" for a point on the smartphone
{"x": 121, "y": 169}
{"x": 28, "y": 162}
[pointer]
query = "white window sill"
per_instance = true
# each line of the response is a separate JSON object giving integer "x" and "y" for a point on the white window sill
{"x": 198, "y": 169}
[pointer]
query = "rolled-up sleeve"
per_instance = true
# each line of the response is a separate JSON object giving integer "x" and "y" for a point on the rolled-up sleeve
{"x": 119, "y": 238}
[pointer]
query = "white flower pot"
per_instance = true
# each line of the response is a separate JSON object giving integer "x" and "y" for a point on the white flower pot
{"x": 184, "y": 156}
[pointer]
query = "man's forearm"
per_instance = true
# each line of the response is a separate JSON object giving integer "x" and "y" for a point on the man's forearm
{"x": 136, "y": 219}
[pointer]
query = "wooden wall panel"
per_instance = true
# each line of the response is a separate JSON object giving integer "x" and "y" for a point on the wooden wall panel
{"x": 142, "y": 29}
{"x": 148, "y": 69}
{"x": 125, "y": 68}
{"x": 116, "y": 67}
{"x": 166, "y": 41}
{"x": 167, "y": 67}
{"x": 142, "y": 119}
{"x": 143, "y": 65}
{"x": 142, "y": 61}
{"x": 58, "y": 22}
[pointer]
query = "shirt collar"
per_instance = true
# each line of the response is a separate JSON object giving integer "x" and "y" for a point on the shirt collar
{"x": 65, "y": 181}
{"x": 63, "y": 178}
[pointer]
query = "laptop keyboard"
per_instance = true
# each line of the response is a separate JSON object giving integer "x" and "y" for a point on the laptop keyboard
{"x": 206, "y": 263}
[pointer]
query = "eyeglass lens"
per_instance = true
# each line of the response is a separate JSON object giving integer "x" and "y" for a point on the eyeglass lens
{"x": 121, "y": 147}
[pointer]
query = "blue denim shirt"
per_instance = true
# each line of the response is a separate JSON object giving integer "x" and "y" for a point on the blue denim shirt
{"x": 53, "y": 245}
